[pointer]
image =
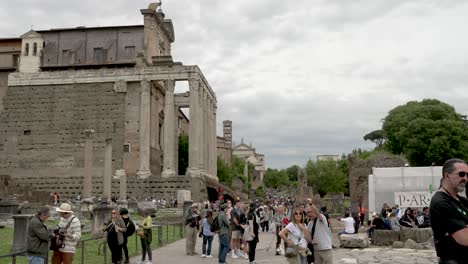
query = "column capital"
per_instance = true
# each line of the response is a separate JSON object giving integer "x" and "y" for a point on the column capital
{"x": 194, "y": 84}
{"x": 169, "y": 85}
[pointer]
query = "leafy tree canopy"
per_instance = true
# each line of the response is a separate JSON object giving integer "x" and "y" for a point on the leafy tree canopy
{"x": 326, "y": 176}
{"x": 274, "y": 178}
{"x": 375, "y": 136}
{"x": 427, "y": 132}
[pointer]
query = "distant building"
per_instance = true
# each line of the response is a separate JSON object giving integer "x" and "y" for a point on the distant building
{"x": 224, "y": 143}
{"x": 328, "y": 157}
{"x": 10, "y": 50}
{"x": 248, "y": 152}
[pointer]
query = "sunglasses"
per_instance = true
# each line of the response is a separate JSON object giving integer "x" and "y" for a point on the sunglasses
{"x": 297, "y": 213}
{"x": 463, "y": 173}
{"x": 114, "y": 213}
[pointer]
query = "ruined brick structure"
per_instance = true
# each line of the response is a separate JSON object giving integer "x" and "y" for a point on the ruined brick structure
{"x": 118, "y": 82}
{"x": 359, "y": 171}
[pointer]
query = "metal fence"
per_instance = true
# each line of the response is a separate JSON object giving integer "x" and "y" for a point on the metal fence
{"x": 163, "y": 233}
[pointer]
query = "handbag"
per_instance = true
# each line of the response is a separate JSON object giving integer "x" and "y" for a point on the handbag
{"x": 141, "y": 233}
{"x": 248, "y": 236}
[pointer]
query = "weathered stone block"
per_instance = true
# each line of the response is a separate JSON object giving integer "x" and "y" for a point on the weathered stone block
{"x": 385, "y": 237}
{"x": 423, "y": 234}
{"x": 398, "y": 244}
{"x": 407, "y": 233}
{"x": 419, "y": 235}
{"x": 412, "y": 244}
{"x": 354, "y": 241}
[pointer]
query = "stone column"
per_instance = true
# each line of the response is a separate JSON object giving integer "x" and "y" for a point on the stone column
{"x": 205, "y": 132}
{"x": 215, "y": 149}
{"x": 169, "y": 115}
{"x": 200, "y": 136}
{"x": 88, "y": 165}
{"x": 145, "y": 122}
{"x": 107, "y": 171}
{"x": 194, "y": 151}
{"x": 176, "y": 140}
{"x": 211, "y": 154}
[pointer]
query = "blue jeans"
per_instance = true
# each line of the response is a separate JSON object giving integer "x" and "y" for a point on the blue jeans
{"x": 36, "y": 260}
{"x": 223, "y": 248}
{"x": 206, "y": 239}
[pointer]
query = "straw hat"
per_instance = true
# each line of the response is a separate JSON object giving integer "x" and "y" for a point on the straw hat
{"x": 64, "y": 208}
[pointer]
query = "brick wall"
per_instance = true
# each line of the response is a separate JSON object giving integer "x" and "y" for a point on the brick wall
{"x": 43, "y": 126}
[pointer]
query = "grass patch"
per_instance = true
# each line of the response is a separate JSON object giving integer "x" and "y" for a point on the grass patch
{"x": 94, "y": 247}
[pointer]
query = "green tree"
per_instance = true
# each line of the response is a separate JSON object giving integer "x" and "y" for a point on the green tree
{"x": 274, "y": 178}
{"x": 183, "y": 153}
{"x": 375, "y": 136}
{"x": 326, "y": 176}
{"x": 427, "y": 132}
{"x": 292, "y": 172}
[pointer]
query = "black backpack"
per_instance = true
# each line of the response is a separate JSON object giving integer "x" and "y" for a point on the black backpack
{"x": 130, "y": 228}
{"x": 215, "y": 225}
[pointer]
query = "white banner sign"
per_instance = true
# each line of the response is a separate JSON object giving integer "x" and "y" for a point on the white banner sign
{"x": 413, "y": 199}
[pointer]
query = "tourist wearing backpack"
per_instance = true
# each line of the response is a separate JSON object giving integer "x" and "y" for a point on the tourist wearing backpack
{"x": 130, "y": 231}
{"x": 223, "y": 234}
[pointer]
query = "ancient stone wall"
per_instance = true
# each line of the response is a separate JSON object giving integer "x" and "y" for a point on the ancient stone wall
{"x": 43, "y": 126}
{"x": 37, "y": 189}
{"x": 359, "y": 171}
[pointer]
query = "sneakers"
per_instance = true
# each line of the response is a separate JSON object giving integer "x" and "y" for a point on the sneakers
{"x": 203, "y": 255}
{"x": 234, "y": 255}
{"x": 209, "y": 256}
{"x": 245, "y": 256}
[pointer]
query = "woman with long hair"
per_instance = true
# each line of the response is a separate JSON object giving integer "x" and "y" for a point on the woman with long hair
{"x": 296, "y": 236}
{"x": 115, "y": 238}
{"x": 207, "y": 234}
{"x": 147, "y": 237}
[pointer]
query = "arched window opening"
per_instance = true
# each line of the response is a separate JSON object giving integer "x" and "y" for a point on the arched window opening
{"x": 26, "y": 49}
{"x": 35, "y": 49}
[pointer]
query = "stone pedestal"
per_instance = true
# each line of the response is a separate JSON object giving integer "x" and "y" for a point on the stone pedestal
{"x": 101, "y": 215}
{"x": 187, "y": 205}
{"x": 20, "y": 232}
{"x": 8, "y": 208}
{"x": 182, "y": 196}
{"x": 87, "y": 207}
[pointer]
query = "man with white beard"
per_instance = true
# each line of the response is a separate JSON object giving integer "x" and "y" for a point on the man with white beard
{"x": 449, "y": 214}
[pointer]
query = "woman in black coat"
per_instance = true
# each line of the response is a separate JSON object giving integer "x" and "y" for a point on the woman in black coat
{"x": 115, "y": 238}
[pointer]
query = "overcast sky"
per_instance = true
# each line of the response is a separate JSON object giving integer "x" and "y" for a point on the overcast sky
{"x": 297, "y": 78}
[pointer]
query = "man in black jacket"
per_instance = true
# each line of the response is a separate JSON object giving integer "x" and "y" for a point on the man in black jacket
{"x": 38, "y": 237}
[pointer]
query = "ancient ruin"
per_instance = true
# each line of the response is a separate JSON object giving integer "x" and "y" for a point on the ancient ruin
{"x": 89, "y": 103}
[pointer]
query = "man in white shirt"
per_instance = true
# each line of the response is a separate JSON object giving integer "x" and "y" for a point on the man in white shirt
{"x": 348, "y": 222}
{"x": 322, "y": 237}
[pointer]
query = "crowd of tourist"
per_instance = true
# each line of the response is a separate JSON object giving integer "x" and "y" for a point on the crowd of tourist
{"x": 302, "y": 227}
